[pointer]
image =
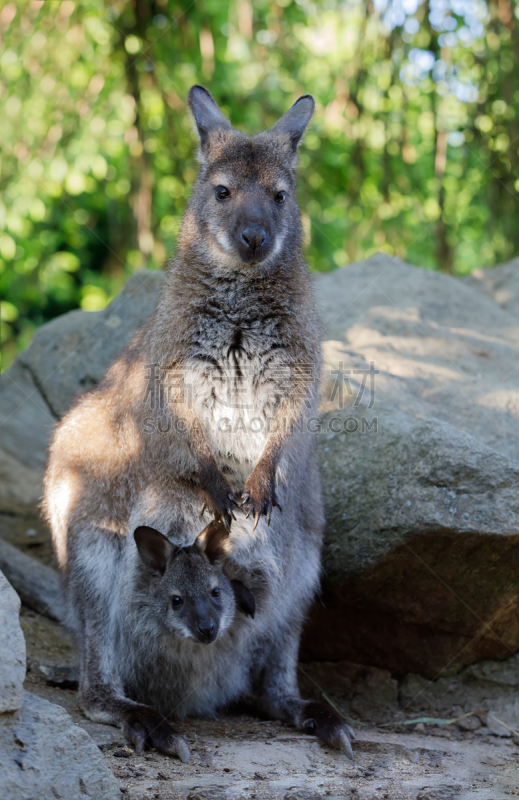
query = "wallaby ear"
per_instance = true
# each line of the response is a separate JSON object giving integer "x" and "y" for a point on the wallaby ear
{"x": 208, "y": 116}
{"x": 154, "y": 549}
{"x": 292, "y": 125}
{"x": 245, "y": 600}
{"x": 214, "y": 541}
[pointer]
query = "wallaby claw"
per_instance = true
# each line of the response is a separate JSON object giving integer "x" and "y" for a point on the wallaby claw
{"x": 345, "y": 745}
{"x": 204, "y": 509}
{"x": 329, "y": 727}
{"x": 217, "y": 498}
{"x": 136, "y": 735}
{"x": 259, "y": 499}
{"x": 224, "y": 517}
{"x": 266, "y": 510}
{"x": 182, "y": 750}
{"x": 233, "y": 500}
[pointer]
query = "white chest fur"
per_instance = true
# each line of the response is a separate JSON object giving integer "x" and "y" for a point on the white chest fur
{"x": 236, "y": 382}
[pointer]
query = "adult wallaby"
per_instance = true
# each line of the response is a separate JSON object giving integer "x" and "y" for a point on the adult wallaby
{"x": 216, "y": 395}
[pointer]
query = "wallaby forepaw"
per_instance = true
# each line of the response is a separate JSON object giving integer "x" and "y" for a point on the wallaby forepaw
{"x": 144, "y": 726}
{"x": 218, "y": 497}
{"x": 259, "y": 497}
{"x": 329, "y": 727}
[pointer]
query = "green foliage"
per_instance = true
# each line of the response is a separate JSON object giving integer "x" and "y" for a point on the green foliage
{"x": 413, "y": 154}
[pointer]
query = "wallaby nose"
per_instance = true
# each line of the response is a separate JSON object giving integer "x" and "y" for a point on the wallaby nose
{"x": 206, "y": 629}
{"x": 254, "y": 236}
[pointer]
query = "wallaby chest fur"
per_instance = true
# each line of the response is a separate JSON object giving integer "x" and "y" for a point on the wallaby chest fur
{"x": 213, "y": 397}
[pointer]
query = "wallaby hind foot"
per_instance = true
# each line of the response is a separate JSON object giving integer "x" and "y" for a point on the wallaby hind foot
{"x": 328, "y": 726}
{"x": 143, "y": 726}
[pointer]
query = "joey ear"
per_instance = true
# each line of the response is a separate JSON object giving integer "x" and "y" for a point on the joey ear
{"x": 208, "y": 116}
{"x": 214, "y": 541}
{"x": 245, "y": 600}
{"x": 154, "y": 549}
{"x": 292, "y": 125}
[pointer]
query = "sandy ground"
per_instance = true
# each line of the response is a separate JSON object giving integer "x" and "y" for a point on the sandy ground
{"x": 241, "y": 756}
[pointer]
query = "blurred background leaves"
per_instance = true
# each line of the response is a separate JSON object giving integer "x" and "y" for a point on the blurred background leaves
{"x": 414, "y": 148}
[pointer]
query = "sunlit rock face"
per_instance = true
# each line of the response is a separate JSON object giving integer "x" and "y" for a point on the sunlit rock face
{"x": 420, "y": 464}
{"x": 501, "y": 283}
{"x": 418, "y": 446}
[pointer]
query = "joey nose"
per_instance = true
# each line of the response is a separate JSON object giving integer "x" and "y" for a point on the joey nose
{"x": 206, "y": 631}
{"x": 254, "y": 237}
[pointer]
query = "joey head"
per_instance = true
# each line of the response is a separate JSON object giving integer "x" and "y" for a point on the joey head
{"x": 189, "y": 590}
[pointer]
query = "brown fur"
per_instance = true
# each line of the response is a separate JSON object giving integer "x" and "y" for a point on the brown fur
{"x": 233, "y": 345}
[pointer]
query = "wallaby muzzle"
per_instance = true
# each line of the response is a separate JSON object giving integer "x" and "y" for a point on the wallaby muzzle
{"x": 254, "y": 231}
{"x": 206, "y": 630}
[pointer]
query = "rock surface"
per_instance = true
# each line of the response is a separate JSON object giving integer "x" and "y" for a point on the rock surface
{"x": 501, "y": 283}
{"x": 43, "y": 753}
{"x": 38, "y": 586}
{"x": 70, "y": 355}
{"x": 420, "y": 461}
{"x": 12, "y": 649}
{"x": 421, "y": 489}
{"x": 441, "y": 349}
{"x": 422, "y": 549}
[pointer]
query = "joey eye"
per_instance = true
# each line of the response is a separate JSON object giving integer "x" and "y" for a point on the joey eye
{"x": 222, "y": 193}
{"x": 215, "y": 592}
{"x": 176, "y": 601}
{"x": 280, "y": 198}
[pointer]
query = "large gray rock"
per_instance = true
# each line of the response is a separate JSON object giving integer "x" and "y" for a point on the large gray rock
{"x": 38, "y": 586}
{"x": 26, "y": 424}
{"x": 422, "y": 497}
{"x": 442, "y": 349}
{"x": 44, "y": 755}
{"x": 12, "y": 649}
{"x": 501, "y": 283}
{"x": 71, "y": 354}
{"x": 422, "y": 548}
{"x": 26, "y": 421}
{"x": 20, "y": 485}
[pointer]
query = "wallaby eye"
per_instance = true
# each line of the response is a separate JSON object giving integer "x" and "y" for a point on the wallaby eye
{"x": 280, "y": 198}
{"x": 176, "y": 601}
{"x": 215, "y": 592}
{"x": 222, "y": 193}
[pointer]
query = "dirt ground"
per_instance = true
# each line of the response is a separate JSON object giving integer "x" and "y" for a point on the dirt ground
{"x": 241, "y": 756}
